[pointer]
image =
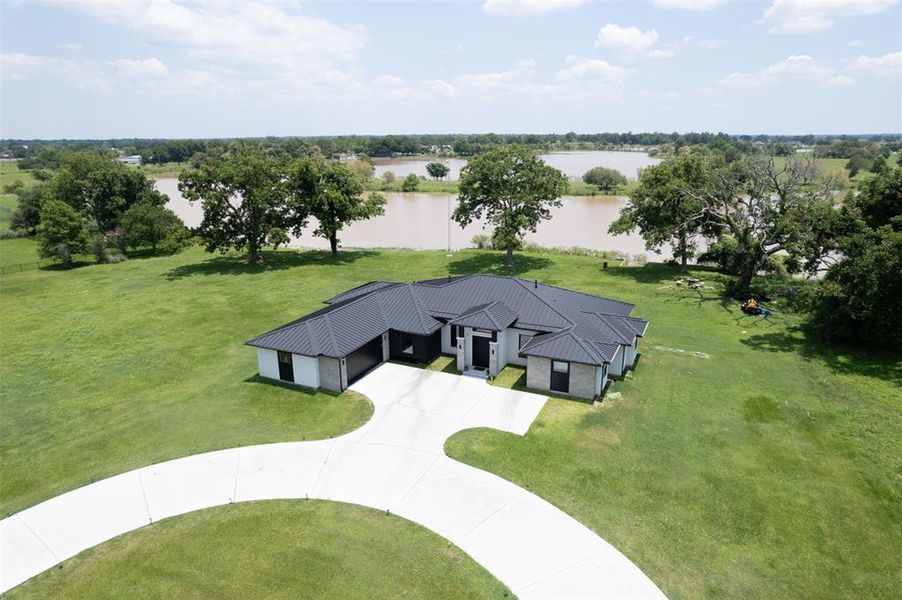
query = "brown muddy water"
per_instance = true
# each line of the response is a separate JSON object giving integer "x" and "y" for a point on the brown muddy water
{"x": 572, "y": 164}
{"x": 420, "y": 221}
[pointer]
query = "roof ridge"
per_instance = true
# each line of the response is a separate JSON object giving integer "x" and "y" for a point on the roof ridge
{"x": 558, "y": 287}
{"x": 524, "y": 283}
{"x": 419, "y": 307}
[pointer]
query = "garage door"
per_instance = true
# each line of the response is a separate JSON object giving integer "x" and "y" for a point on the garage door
{"x": 363, "y": 359}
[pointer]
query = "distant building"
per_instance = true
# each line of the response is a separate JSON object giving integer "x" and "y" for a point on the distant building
{"x": 134, "y": 159}
{"x": 344, "y": 156}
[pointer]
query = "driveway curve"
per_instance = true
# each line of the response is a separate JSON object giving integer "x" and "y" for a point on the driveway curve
{"x": 394, "y": 462}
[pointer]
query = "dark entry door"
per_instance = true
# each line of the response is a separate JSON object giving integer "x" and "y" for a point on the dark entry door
{"x": 481, "y": 351}
{"x": 560, "y": 376}
{"x": 363, "y": 359}
{"x": 286, "y": 369}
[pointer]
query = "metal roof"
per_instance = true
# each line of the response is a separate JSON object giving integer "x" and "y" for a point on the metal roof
{"x": 571, "y": 325}
{"x": 495, "y": 316}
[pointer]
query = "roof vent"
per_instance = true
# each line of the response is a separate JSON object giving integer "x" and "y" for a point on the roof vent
{"x": 536, "y": 283}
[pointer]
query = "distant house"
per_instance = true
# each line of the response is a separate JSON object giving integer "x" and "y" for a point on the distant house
{"x": 344, "y": 156}
{"x": 570, "y": 342}
{"x": 134, "y": 159}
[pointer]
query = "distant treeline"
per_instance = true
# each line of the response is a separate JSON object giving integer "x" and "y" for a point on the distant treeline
{"x": 41, "y": 153}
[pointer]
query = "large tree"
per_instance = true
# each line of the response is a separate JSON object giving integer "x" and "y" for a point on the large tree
{"x": 662, "y": 207}
{"x": 860, "y": 296}
{"x": 100, "y": 187}
{"x": 513, "y": 189}
{"x": 330, "y": 193}
{"x": 243, "y": 196}
{"x": 767, "y": 207}
{"x": 62, "y": 232}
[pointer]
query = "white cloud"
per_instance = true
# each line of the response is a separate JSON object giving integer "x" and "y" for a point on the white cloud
{"x": 888, "y": 65}
{"x": 593, "y": 68}
{"x": 440, "y": 87}
{"x": 797, "y": 67}
{"x": 528, "y": 8}
{"x": 692, "y": 5}
{"x": 661, "y": 54}
{"x": 83, "y": 74}
{"x": 626, "y": 40}
{"x": 805, "y": 16}
{"x": 69, "y": 47}
{"x": 854, "y": 43}
{"x": 149, "y": 67}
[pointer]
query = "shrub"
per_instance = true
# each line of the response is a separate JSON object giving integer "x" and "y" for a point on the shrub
{"x": 99, "y": 249}
{"x": 606, "y": 179}
{"x": 411, "y": 183}
{"x": 62, "y": 232}
{"x": 481, "y": 241}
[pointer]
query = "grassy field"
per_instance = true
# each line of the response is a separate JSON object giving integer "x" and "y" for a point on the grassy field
{"x": 451, "y": 186}
{"x": 770, "y": 467}
{"x": 276, "y": 549}
{"x": 9, "y": 174}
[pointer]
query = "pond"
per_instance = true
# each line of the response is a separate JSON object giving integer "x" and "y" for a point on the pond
{"x": 420, "y": 221}
{"x": 572, "y": 164}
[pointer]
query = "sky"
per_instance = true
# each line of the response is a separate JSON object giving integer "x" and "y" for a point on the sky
{"x": 178, "y": 69}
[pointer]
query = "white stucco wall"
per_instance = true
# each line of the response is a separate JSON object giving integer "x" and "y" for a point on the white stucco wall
{"x": 268, "y": 363}
{"x": 512, "y": 337}
{"x": 306, "y": 370}
{"x": 600, "y": 375}
{"x": 615, "y": 367}
{"x": 630, "y": 353}
{"x": 447, "y": 346}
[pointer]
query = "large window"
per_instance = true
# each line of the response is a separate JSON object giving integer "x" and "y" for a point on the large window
{"x": 560, "y": 376}
{"x": 453, "y": 336}
{"x": 523, "y": 339}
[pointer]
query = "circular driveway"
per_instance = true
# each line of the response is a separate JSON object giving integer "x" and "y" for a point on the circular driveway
{"x": 395, "y": 462}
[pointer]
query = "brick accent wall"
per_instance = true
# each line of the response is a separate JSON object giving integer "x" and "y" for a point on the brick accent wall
{"x": 538, "y": 372}
{"x": 329, "y": 373}
{"x": 582, "y": 380}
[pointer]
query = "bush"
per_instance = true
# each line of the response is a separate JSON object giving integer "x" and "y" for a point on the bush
{"x": 13, "y": 187}
{"x": 99, "y": 249}
{"x": 481, "y": 241}
{"x": 411, "y": 183}
{"x": 606, "y": 179}
{"x": 13, "y": 234}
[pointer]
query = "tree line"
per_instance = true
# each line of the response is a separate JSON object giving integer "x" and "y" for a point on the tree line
{"x": 43, "y": 153}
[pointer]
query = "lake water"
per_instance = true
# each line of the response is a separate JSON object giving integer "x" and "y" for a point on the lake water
{"x": 420, "y": 221}
{"x": 572, "y": 164}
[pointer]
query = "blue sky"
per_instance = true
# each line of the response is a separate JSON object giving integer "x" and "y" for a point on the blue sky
{"x": 161, "y": 68}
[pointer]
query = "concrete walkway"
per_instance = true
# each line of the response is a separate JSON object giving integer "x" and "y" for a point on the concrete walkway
{"x": 394, "y": 462}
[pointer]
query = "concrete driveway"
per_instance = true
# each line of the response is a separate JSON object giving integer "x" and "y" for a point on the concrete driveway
{"x": 394, "y": 462}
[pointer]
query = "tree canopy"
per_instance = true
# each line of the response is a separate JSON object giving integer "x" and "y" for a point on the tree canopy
{"x": 513, "y": 189}
{"x": 437, "y": 170}
{"x": 663, "y": 209}
{"x": 62, "y": 232}
{"x": 243, "y": 197}
{"x": 606, "y": 179}
{"x": 152, "y": 225}
{"x": 330, "y": 193}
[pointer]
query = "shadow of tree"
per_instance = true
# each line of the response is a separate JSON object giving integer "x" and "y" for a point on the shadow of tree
{"x": 664, "y": 272}
{"x": 273, "y": 260}
{"x": 840, "y": 358}
{"x": 289, "y": 386}
{"x": 493, "y": 263}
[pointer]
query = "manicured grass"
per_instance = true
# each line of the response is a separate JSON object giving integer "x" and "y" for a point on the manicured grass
{"x": 769, "y": 469}
{"x": 20, "y": 251}
{"x": 10, "y": 173}
{"x": 280, "y": 549}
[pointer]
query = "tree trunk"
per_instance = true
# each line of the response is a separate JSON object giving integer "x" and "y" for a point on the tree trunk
{"x": 684, "y": 258}
{"x": 333, "y": 244}
{"x": 253, "y": 251}
{"x": 509, "y": 259}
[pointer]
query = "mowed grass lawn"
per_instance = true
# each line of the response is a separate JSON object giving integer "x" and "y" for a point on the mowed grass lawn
{"x": 273, "y": 549}
{"x": 769, "y": 468}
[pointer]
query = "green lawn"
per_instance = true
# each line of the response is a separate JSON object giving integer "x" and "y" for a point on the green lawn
{"x": 10, "y": 173}
{"x": 769, "y": 468}
{"x": 276, "y": 549}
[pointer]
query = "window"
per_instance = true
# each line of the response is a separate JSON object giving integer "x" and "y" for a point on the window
{"x": 284, "y": 357}
{"x": 523, "y": 339}
{"x": 560, "y": 376}
{"x": 406, "y": 343}
{"x": 453, "y": 336}
{"x": 559, "y": 366}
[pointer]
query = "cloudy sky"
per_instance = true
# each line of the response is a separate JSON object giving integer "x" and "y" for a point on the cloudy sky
{"x": 167, "y": 68}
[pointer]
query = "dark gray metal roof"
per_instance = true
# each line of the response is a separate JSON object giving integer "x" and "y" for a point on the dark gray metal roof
{"x": 572, "y": 325}
{"x": 495, "y": 316}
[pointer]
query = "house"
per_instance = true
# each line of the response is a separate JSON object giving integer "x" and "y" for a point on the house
{"x": 134, "y": 159}
{"x": 570, "y": 342}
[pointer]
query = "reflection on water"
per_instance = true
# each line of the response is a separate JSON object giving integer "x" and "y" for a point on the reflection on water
{"x": 420, "y": 221}
{"x": 572, "y": 164}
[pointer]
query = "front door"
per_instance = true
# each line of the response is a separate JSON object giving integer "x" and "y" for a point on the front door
{"x": 286, "y": 369}
{"x": 481, "y": 351}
